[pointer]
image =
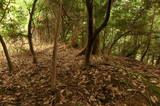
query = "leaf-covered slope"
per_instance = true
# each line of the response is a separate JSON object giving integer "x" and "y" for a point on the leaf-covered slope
{"x": 116, "y": 81}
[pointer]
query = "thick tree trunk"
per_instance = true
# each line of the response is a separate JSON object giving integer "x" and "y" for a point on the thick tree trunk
{"x": 96, "y": 46}
{"x": 89, "y": 4}
{"x": 92, "y": 35}
{"x": 88, "y": 53}
{"x": 30, "y": 32}
{"x": 10, "y": 66}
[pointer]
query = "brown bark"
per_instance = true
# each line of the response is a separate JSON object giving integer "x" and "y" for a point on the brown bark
{"x": 10, "y": 66}
{"x": 30, "y": 32}
{"x": 57, "y": 33}
{"x": 92, "y": 35}
{"x": 89, "y": 4}
{"x": 54, "y": 71}
{"x": 105, "y": 22}
{"x": 96, "y": 45}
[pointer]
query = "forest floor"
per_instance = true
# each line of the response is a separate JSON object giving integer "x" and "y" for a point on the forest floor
{"x": 109, "y": 81}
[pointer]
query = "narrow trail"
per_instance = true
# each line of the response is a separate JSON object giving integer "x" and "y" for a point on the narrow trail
{"x": 110, "y": 81}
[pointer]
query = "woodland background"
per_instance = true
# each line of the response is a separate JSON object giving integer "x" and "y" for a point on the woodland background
{"x": 121, "y": 37}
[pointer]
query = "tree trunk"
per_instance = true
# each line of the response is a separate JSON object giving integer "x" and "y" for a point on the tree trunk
{"x": 10, "y": 66}
{"x": 57, "y": 33}
{"x": 89, "y": 4}
{"x": 92, "y": 35}
{"x": 30, "y": 32}
{"x": 96, "y": 46}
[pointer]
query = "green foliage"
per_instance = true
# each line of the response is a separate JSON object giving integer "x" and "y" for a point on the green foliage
{"x": 155, "y": 89}
{"x": 126, "y": 15}
{"x": 15, "y": 22}
{"x": 15, "y": 19}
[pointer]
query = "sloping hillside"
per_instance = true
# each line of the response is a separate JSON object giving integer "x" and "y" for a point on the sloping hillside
{"x": 110, "y": 81}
